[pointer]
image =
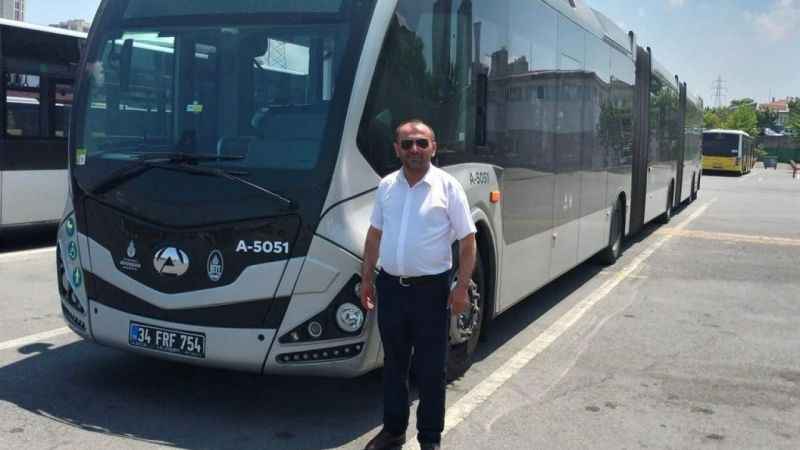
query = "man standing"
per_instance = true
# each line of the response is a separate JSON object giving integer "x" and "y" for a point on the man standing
{"x": 419, "y": 211}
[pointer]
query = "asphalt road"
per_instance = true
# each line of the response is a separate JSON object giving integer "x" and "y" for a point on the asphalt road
{"x": 689, "y": 341}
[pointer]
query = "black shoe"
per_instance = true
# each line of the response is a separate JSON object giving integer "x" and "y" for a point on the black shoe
{"x": 430, "y": 447}
{"x": 386, "y": 441}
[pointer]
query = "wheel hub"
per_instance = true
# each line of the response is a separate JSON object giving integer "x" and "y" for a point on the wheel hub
{"x": 463, "y": 325}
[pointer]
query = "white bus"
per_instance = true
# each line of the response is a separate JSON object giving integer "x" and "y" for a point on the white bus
{"x": 39, "y": 65}
{"x": 226, "y": 155}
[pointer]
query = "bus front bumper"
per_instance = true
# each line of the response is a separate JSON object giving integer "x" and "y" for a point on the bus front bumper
{"x": 240, "y": 349}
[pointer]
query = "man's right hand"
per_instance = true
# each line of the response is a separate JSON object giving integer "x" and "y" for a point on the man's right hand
{"x": 368, "y": 295}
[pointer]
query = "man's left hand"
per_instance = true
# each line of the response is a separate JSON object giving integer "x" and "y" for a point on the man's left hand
{"x": 459, "y": 299}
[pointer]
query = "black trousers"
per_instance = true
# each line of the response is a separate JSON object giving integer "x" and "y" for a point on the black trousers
{"x": 418, "y": 317}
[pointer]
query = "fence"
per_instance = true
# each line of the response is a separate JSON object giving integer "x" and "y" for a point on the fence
{"x": 785, "y": 148}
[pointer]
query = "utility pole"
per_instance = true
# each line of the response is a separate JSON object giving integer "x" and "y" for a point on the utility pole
{"x": 276, "y": 55}
{"x": 719, "y": 91}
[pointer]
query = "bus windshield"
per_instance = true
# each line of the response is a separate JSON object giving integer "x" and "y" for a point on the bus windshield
{"x": 254, "y": 83}
{"x": 721, "y": 144}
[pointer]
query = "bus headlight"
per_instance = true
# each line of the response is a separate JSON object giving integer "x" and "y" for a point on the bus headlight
{"x": 349, "y": 318}
{"x": 343, "y": 318}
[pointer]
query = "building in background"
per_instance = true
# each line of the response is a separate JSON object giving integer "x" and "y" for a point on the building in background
{"x": 74, "y": 25}
{"x": 12, "y": 9}
{"x": 781, "y": 107}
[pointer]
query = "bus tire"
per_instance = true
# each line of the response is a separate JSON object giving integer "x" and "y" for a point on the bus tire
{"x": 610, "y": 254}
{"x": 693, "y": 196}
{"x": 459, "y": 356}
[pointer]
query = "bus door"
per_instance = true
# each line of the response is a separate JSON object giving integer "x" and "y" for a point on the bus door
{"x": 641, "y": 140}
{"x": 680, "y": 129}
{"x": 569, "y": 143}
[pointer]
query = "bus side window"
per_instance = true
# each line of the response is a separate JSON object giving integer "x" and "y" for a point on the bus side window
{"x": 23, "y": 106}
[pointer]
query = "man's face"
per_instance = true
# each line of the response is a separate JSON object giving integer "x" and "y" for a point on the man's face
{"x": 415, "y": 147}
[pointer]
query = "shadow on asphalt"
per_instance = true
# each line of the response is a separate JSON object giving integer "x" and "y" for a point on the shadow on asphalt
{"x": 112, "y": 392}
{"x": 28, "y": 238}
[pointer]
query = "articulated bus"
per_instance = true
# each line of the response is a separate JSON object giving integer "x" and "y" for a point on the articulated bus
{"x": 224, "y": 159}
{"x": 39, "y": 66}
{"x": 728, "y": 151}
{"x": 691, "y": 170}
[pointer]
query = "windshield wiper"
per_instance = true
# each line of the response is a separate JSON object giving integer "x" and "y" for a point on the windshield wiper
{"x": 189, "y": 158}
{"x": 184, "y": 162}
{"x": 227, "y": 174}
{"x": 153, "y": 159}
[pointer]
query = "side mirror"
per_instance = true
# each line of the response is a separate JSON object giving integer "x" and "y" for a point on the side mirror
{"x": 126, "y": 56}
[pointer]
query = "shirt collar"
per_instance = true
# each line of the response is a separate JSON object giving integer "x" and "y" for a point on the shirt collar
{"x": 427, "y": 179}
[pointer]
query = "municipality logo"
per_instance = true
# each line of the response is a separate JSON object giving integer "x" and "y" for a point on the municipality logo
{"x": 215, "y": 266}
{"x": 131, "y": 263}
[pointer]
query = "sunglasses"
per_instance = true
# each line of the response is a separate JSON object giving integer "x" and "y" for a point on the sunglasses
{"x": 406, "y": 144}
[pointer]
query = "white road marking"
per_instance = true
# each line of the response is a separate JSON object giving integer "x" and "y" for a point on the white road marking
{"x": 34, "y": 338}
{"x": 16, "y": 256}
{"x": 480, "y": 393}
{"x": 469, "y": 402}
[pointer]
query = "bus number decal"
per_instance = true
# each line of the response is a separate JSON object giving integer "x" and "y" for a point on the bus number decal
{"x": 479, "y": 178}
{"x": 276, "y": 247}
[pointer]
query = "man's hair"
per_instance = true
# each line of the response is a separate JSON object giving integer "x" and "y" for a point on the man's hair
{"x": 415, "y": 122}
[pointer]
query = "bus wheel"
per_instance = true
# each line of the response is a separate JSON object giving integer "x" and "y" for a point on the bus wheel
{"x": 693, "y": 197}
{"x": 610, "y": 254}
{"x": 465, "y": 329}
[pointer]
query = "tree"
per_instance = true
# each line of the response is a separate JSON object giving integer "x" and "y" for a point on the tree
{"x": 711, "y": 120}
{"x": 794, "y": 119}
{"x": 743, "y": 118}
{"x": 766, "y": 119}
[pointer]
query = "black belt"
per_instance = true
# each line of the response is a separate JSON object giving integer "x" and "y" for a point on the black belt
{"x": 414, "y": 281}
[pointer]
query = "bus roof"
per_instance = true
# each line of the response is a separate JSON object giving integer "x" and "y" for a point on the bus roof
{"x": 580, "y": 13}
{"x": 668, "y": 76}
{"x": 614, "y": 33}
{"x": 694, "y": 98}
{"x": 721, "y": 131}
{"x": 42, "y": 28}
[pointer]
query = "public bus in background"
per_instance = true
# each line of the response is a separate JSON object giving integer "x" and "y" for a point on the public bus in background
{"x": 225, "y": 157}
{"x": 728, "y": 151}
{"x": 39, "y": 67}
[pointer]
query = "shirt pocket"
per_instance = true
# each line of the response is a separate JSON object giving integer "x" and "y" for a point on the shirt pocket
{"x": 435, "y": 206}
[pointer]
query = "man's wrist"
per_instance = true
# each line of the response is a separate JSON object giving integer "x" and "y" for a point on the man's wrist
{"x": 368, "y": 276}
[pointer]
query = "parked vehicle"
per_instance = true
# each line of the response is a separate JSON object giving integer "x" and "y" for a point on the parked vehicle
{"x": 225, "y": 163}
{"x": 771, "y": 161}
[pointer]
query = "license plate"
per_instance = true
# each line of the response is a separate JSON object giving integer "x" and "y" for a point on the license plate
{"x": 177, "y": 342}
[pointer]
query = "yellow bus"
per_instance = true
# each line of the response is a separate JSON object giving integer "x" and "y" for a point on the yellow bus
{"x": 728, "y": 151}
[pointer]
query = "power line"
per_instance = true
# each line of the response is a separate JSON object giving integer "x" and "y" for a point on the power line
{"x": 719, "y": 91}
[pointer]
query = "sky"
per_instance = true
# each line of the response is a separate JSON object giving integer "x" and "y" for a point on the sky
{"x": 754, "y": 45}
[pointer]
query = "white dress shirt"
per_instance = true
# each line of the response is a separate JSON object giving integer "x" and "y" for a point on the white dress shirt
{"x": 419, "y": 224}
